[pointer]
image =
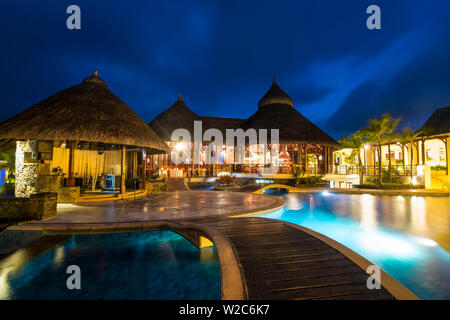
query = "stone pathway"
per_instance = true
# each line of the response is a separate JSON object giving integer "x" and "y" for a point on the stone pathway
{"x": 169, "y": 206}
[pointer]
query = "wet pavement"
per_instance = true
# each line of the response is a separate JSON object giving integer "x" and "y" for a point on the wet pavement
{"x": 169, "y": 206}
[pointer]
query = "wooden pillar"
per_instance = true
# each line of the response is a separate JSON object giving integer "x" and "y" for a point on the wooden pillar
{"x": 144, "y": 169}
{"x": 423, "y": 150}
{"x": 305, "y": 157}
{"x": 70, "y": 181}
{"x": 122, "y": 172}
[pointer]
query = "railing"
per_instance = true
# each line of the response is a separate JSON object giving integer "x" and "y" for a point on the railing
{"x": 372, "y": 170}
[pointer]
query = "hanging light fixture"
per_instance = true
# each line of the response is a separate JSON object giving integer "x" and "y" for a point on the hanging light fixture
{"x": 284, "y": 155}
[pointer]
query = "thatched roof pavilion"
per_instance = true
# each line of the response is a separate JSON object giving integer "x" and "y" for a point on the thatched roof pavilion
{"x": 275, "y": 111}
{"x": 87, "y": 112}
{"x": 81, "y": 131}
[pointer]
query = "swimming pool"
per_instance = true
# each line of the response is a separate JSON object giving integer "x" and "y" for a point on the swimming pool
{"x": 132, "y": 265}
{"x": 394, "y": 232}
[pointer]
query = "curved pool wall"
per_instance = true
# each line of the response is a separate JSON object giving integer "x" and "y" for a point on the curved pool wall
{"x": 395, "y": 233}
{"x": 131, "y": 265}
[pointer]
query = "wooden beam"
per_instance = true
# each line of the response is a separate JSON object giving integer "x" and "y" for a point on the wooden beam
{"x": 70, "y": 181}
{"x": 122, "y": 173}
{"x": 144, "y": 169}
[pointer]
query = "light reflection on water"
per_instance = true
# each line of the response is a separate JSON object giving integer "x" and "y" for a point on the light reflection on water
{"x": 131, "y": 265}
{"x": 395, "y": 233}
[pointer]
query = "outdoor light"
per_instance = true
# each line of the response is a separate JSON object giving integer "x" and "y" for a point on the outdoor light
{"x": 320, "y": 158}
{"x": 179, "y": 146}
{"x": 420, "y": 170}
{"x": 366, "y": 147}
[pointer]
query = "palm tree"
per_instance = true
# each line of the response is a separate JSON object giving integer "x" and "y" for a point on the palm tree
{"x": 378, "y": 132}
{"x": 356, "y": 143}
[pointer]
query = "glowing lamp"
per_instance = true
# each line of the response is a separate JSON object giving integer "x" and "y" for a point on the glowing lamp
{"x": 284, "y": 155}
{"x": 179, "y": 146}
{"x": 420, "y": 170}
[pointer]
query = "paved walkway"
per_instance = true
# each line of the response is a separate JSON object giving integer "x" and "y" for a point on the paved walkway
{"x": 169, "y": 206}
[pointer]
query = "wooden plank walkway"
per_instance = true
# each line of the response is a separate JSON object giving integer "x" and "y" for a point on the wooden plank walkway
{"x": 279, "y": 261}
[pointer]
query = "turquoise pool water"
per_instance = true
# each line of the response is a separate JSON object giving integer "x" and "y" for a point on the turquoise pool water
{"x": 395, "y": 233}
{"x": 134, "y": 265}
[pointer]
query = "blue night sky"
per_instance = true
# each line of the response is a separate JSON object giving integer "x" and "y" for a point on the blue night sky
{"x": 223, "y": 55}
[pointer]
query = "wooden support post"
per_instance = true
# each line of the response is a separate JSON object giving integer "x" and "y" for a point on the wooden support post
{"x": 447, "y": 156}
{"x": 70, "y": 181}
{"x": 144, "y": 169}
{"x": 423, "y": 150}
{"x": 305, "y": 157}
{"x": 122, "y": 173}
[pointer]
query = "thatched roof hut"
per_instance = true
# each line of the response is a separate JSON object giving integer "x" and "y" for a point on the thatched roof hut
{"x": 275, "y": 111}
{"x": 87, "y": 112}
{"x": 439, "y": 121}
{"x": 177, "y": 116}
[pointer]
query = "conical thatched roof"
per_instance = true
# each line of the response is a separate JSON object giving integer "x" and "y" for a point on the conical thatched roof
{"x": 88, "y": 112}
{"x": 293, "y": 126}
{"x": 275, "y": 112}
{"x": 177, "y": 116}
{"x": 275, "y": 95}
{"x": 439, "y": 121}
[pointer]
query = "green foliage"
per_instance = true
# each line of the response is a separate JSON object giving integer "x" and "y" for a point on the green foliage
{"x": 310, "y": 180}
{"x": 7, "y": 188}
{"x": 438, "y": 168}
{"x": 312, "y": 158}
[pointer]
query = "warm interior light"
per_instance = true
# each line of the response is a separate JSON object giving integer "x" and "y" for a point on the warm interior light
{"x": 179, "y": 146}
{"x": 420, "y": 170}
{"x": 284, "y": 155}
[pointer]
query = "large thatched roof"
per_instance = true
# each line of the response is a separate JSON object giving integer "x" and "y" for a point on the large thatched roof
{"x": 177, "y": 116}
{"x": 439, "y": 122}
{"x": 275, "y": 95}
{"x": 292, "y": 125}
{"x": 88, "y": 112}
{"x": 275, "y": 112}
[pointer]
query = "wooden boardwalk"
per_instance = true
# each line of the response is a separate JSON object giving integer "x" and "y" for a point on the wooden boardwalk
{"x": 279, "y": 261}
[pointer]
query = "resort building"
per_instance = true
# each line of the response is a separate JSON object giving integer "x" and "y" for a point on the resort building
{"x": 427, "y": 155}
{"x": 303, "y": 147}
{"x": 80, "y": 140}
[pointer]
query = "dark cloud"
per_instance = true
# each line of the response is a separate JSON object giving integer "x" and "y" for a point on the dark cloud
{"x": 222, "y": 55}
{"x": 413, "y": 94}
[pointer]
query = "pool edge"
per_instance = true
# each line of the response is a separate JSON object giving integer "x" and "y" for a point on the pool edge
{"x": 394, "y": 287}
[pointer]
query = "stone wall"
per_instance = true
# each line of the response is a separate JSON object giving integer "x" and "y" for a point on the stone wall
{"x": 32, "y": 175}
{"x": 39, "y": 206}
{"x": 68, "y": 194}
